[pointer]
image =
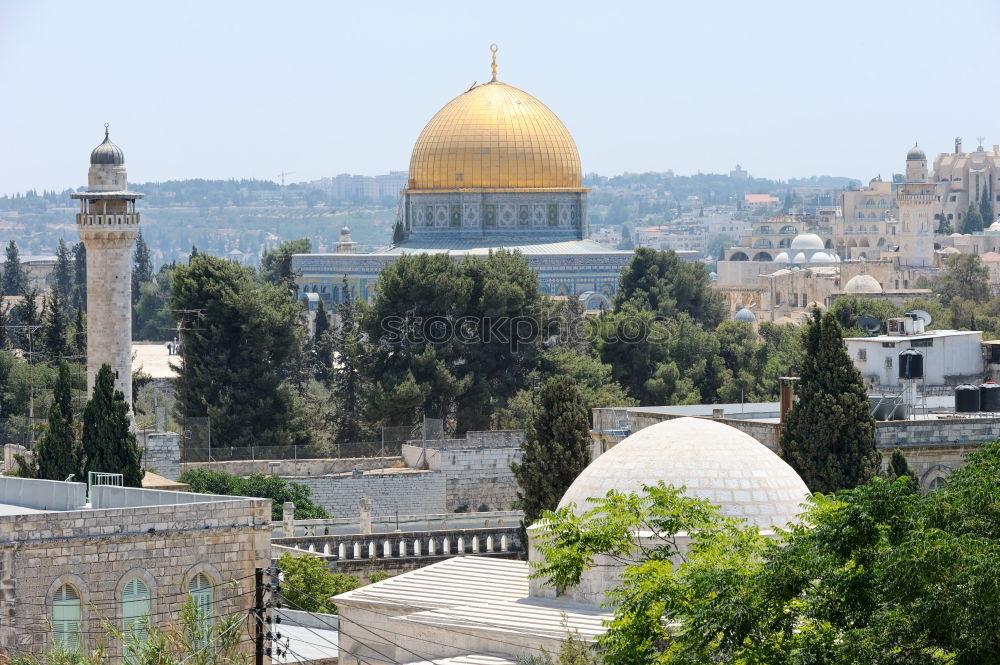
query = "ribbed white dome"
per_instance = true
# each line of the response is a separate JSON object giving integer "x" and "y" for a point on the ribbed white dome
{"x": 782, "y": 257}
{"x": 807, "y": 241}
{"x": 863, "y": 284}
{"x": 799, "y": 258}
{"x": 713, "y": 461}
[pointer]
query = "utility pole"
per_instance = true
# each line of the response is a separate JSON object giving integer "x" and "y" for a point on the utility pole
{"x": 258, "y": 616}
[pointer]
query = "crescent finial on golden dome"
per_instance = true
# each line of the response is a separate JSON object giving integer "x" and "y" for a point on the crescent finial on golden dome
{"x": 493, "y": 50}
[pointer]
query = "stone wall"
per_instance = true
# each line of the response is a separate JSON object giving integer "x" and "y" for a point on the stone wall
{"x": 294, "y": 468}
{"x": 161, "y": 453}
{"x": 99, "y": 551}
{"x": 409, "y": 491}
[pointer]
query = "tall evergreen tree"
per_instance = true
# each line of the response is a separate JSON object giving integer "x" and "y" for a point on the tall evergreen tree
{"x": 661, "y": 282}
{"x": 80, "y": 276}
{"x": 321, "y": 348}
{"x": 55, "y": 328}
{"x": 109, "y": 444}
{"x": 899, "y": 468}
{"x": 56, "y": 453}
{"x": 64, "y": 274}
{"x": 973, "y": 222}
{"x": 556, "y": 448}
{"x": 397, "y": 233}
{"x": 28, "y": 318}
{"x": 986, "y": 207}
{"x": 142, "y": 269}
{"x": 15, "y": 279}
{"x": 346, "y": 378}
{"x": 5, "y": 320}
{"x": 78, "y": 342}
{"x": 828, "y": 435}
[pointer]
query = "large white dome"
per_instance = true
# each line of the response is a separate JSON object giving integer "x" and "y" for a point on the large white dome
{"x": 807, "y": 241}
{"x": 863, "y": 284}
{"x": 713, "y": 461}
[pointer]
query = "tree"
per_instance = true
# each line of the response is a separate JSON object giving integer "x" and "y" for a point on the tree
{"x": 79, "y": 339}
{"x": 276, "y": 265}
{"x": 308, "y": 584}
{"x": 986, "y": 207}
{"x": 321, "y": 349}
{"x": 556, "y": 448}
{"x": 142, "y": 273}
{"x": 347, "y": 380}
{"x": 64, "y": 274}
{"x": 55, "y": 328}
{"x": 235, "y": 352}
{"x": 398, "y": 234}
{"x": 151, "y": 318}
{"x": 898, "y": 468}
{"x": 965, "y": 277}
{"x": 661, "y": 282}
{"x": 109, "y": 444}
{"x": 848, "y": 309}
{"x": 27, "y": 316}
{"x": 973, "y": 222}
{"x": 828, "y": 435}
{"x": 79, "y": 299}
{"x": 627, "y": 241}
{"x": 56, "y": 453}
{"x": 15, "y": 279}
{"x": 944, "y": 225}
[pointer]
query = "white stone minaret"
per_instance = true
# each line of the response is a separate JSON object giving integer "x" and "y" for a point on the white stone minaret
{"x": 108, "y": 225}
{"x": 917, "y": 200}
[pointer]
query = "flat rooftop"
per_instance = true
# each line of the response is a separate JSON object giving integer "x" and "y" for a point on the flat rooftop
{"x": 930, "y": 334}
{"x": 21, "y": 496}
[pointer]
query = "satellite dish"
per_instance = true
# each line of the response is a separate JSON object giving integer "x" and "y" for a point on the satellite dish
{"x": 922, "y": 315}
{"x": 869, "y": 324}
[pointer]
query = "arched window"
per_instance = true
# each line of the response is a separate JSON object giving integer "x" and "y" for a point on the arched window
{"x": 66, "y": 618}
{"x": 135, "y": 609}
{"x": 200, "y": 588}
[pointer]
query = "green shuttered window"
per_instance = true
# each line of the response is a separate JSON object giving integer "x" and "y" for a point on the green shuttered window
{"x": 66, "y": 615}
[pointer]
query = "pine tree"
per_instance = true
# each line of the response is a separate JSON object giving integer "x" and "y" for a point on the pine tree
{"x": 986, "y": 207}
{"x": 55, "y": 328}
{"x": 346, "y": 378}
{"x": 627, "y": 242}
{"x": 28, "y": 318}
{"x": 108, "y": 442}
{"x": 5, "y": 320}
{"x": 556, "y": 448}
{"x": 322, "y": 349}
{"x": 899, "y": 468}
{"x": 828, "y": 435}
{"x": 80, "y": 276}
{"x": 15, "y": 280}
{"x": 64, "y": 274}
{"x": 57, "y": 454}
{"x": 973, "y": 222}
{"x": 79, "y": 339}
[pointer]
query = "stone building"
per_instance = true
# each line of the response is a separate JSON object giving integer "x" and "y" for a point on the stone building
{"x": 68, "y": 562}
{"x": 961, "y": 177}
{"x": 495, "y": 168}
{"x": 108, "y": 224}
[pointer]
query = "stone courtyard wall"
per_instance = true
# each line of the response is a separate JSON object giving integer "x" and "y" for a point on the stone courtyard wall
{"x": 409, "y": 491}
{"x": 161, "y": 453}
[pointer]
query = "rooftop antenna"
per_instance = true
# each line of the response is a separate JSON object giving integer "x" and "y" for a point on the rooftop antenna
{"x": 493, "y": 50}
{"x": 980, "y": 140}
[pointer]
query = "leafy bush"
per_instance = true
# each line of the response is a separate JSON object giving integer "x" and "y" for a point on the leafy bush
{"x": 308, "y": 584}
{"x": 279, "y": 490}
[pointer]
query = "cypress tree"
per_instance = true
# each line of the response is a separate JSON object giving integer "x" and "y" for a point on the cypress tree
{"x": 15, "y": 280}
{"x": 64, "y": 274}
{"x": 79, "y": 340}
{"x": 555, "y": 450}
{"x": 108, "y": 442}
{"x": 899, "y": 468}
{"x": 56, "y": 454}
{"x": 142, "y": 270}
{"x": 397, "y": 233}
{"x": 346, "y": 380}
{"x": 27, "y": 315}
{"x": 322, "y": 349}
{"x": 80, "y": 276}
{"x": 55, "y": 330}
{"x": 973, "y": 222}
{"x": 828, "y": 435}
{"x": 986, "y": 207}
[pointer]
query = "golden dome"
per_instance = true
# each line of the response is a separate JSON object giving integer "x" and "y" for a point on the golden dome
{"x": 495, "y": 136}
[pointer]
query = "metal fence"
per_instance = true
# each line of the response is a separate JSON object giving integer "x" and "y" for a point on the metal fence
{"x": 17, "y": 432}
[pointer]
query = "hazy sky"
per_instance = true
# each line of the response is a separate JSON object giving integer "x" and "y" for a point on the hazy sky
{"x": 248, "y": 89}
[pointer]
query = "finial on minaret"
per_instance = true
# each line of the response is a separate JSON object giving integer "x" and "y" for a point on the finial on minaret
{"x": 106, "y": 125}
{"x": 493, "y": 50}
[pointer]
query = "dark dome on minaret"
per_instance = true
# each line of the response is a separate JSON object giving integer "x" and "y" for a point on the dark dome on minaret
{"x": 107, "y": 152}
{"x": 916, "y": 152}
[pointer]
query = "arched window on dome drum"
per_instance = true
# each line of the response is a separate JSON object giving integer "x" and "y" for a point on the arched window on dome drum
{"x": 787, "y": 230}
{"x": 135, "y": 610}
{"x": 200, "y": 589}
{"x": 66, "y": 618}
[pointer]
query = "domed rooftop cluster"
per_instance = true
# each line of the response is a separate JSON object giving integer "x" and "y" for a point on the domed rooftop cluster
{"x": 807, "y": 248}
{"x": 863, "y": 284}
{"x": 107, "y": 152}
{"x": 916, "y": 152}
{"x": 495, "y": 136}
{"x": 711, "y": 460}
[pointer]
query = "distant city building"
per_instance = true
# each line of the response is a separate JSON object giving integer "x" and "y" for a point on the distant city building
{"x": 961, "y": 178}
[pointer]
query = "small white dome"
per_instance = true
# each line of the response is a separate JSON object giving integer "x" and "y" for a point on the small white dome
{"x": 745, "y": 315}
{"x": 799, "y": 258}
{"x": 863, "y": 284}
{"x": 782, "y": 257}
{"x": 807, "y": 241}
{"x": 995, "y": 226}
{"x": 712, "y": 461}
{"x": 821, "y": 257}
{"x": 950, "y": 250}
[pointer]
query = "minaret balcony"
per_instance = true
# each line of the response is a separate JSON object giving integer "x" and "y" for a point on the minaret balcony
{"x": 124, "y": 219}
